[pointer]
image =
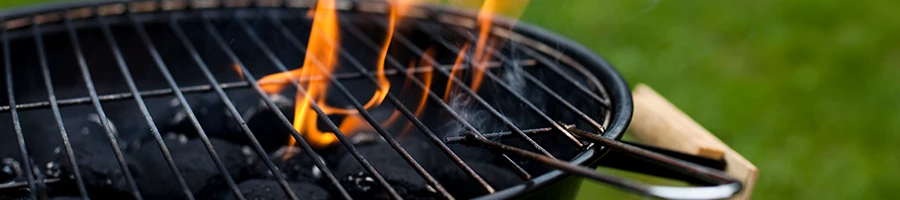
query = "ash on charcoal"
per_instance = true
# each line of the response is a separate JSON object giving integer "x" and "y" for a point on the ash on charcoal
{"x": 9, "y": 170}
{"x": 155, "y": 178}
{"x": 298, "y": 167}
{"x": 396, "y": 171}
{"x": 260, "y": 189}
{"x": 218, "y": 121}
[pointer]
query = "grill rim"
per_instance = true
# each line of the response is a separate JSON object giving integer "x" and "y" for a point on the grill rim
{"x": 613, "y": 85}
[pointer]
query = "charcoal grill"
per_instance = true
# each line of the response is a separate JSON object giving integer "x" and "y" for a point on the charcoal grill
{"x": 63, "y": 46}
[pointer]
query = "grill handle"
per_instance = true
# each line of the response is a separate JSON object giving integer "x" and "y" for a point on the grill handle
{"x": 623, "y": 161}
{"x": 659, "y": 123}
{"x": 722, "y": 187}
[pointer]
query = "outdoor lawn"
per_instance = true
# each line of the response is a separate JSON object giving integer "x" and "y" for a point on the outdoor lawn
{"x": 805, "y": 89}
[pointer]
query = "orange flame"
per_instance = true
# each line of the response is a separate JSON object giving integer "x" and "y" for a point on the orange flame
{"x": 481, "y": 56}
{"x": 423, "y": 99}
{"x": 485, "y": 16}
{"x": 237, "y": 68}
{"x": 453, "y": 71}
{"x": 320, "y": 61}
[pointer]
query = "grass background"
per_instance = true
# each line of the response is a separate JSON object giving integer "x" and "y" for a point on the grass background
{"x": 805, "y": 89}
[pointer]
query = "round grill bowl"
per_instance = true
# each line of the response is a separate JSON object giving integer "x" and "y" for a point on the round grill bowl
{"x": 601, "y": 75}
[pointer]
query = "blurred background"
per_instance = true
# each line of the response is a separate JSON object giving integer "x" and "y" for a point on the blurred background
{"x": 805, "y": 89}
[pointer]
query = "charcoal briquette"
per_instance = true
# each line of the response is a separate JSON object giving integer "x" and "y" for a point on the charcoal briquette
{"x": 156, "y": 180}
{"x": 297, "y": 167}
{"x": 261, "y": 189}
{"x": 395, "y": 170}
{"x": 464, "y": 186}
{"x": 9, "y": 170}
{"x": 94, "y": 156}
{"x": 218, "y": 121}
{"x": 271, "y": 132}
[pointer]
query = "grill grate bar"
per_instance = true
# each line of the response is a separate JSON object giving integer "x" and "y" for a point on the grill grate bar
{"x": 518, "y": 96}
{"x": 564, "y": 102}
{"x": 378, "y": 128}
{"x": 117, "y": 53}
{"x": 460, "y": 84}
{"x": 476, "y": 97}
{"x": 555, "y": 68}
{"x": 462, "y": 138}
{"x": 394, "y": 63}
{"x": 334, "y": 128}
{"x": 26, "y": 160}
{"x": 472, "y": 94}
{"x": 232, "y": 85}
{"x": 104, "y": 121}
{"x": 51, "y": 95}
{"x": 406, "y": 112}
{"x": 409, "y": 114}
{"x": 549, "y": 91}
{"x": 227, "y": 101}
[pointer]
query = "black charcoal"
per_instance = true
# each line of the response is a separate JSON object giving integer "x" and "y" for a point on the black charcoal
{"x": 93, "y": 153}
{"x": 297, "y": 166}
{"x": 15, "y": 194}
{"x": 462, "y": 186}
{"x": 395, "y": 170}
{"x": 156, "y": 180}
{"x": 9, "y": 170}
{"x": 217, "y": 120}
{"x": 271, "y": 132}
{"x": 65, "y": 198}
{"x": 260, "y": 189}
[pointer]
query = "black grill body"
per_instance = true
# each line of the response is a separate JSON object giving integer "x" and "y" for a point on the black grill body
{"x": 95, "y": 85}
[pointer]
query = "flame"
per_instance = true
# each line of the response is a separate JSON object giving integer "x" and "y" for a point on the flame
{"x": 481, "y": 56}
{"x": 237, "y": 68}
{"x": 423, "y": 99}
{"x": 427, "y": 79}
{"x": 484, "y": 19}
{"x": 453, "y": 71}
{"x": 320, "y": 61}
{"x": 322, "y": 58}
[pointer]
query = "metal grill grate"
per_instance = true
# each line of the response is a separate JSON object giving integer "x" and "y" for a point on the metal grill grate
{"x": 193, "y": 25}
{"x": 106, "y": 14}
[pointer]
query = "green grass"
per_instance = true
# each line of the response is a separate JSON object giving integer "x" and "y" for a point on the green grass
{"x": 805, "y": 89}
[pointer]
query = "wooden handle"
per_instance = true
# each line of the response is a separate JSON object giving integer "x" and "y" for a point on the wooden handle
{"x": 658, "y": 123}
